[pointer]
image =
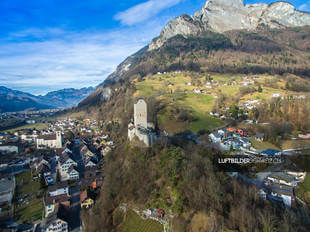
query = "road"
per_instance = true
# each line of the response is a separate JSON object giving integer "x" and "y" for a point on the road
{"x": 75, "y": 220}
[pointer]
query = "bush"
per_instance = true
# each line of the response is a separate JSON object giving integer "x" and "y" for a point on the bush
{"x": 246, "y": 90}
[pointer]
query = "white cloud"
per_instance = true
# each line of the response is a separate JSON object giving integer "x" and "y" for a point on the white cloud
{"x": 69, "y": 60}
{"x": 144, "y": 11}
{"x": 305, "y": 7}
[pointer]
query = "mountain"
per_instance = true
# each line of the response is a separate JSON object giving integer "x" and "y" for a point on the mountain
{"x": 226, "y": 15}
{"x": 65, "y": 98}
{"x": 225, "y": 36}
{"x": 13, "y": 100}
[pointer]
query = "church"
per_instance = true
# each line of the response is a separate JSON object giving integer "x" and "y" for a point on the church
{"x": 140, "y": 127}
{"x": 49, "y": 141}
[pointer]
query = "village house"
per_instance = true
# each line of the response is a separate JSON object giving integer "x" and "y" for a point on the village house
{"x": 29, "y": 137}
{"x": 8, "y": 148}
{"x": 282, "y": 193}
{"x": 215, "y": 137}
{"x": 54, "y": 223}
{"x": 259, "y": 137}
{"x": 72, "y": 174}
{"x": 41, "y": 164}
{"x": 89, "y": 163}
{"x": 64, "y": 163}
{"x": 242, "y": 132}
{"x": 298, "y": 174}
{"x": 304, "y": 136}
{"x": 245, "y": 142}
{"x": 282, "y": 178}
{"x": 58, "y": 189}
{"x": 51, "y": 203}
{"x": 197, "y": 90}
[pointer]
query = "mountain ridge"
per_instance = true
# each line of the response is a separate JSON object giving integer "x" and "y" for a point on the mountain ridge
{"x": 221, "y": 16}
{"x": 15, "y": 100}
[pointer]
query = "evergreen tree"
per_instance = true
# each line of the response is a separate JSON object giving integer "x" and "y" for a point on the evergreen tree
{"x": 260, "y": 89}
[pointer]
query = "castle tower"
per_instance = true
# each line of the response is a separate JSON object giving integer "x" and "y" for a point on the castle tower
{"x": 140, "y": 114}
{"x": 58, "y": 139}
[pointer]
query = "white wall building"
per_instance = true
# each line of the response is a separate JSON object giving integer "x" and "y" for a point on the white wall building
{"x": 50, "y": 141}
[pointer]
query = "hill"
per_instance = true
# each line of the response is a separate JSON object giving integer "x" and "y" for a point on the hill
{"x": 265, "y": 51}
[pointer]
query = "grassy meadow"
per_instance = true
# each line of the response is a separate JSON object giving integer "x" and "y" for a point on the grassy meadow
{"x": 134, "y": 223}
{"x": 174, "y": 90}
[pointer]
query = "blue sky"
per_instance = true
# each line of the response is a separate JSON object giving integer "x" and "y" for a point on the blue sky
{"x": 53, "y": 44}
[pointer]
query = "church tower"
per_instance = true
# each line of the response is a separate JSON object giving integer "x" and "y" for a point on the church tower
{"x": 58, "y": 139}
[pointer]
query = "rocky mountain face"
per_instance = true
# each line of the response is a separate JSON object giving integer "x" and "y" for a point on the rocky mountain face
{"x": 226, "y": 15}
{"x": 13, "y": 100}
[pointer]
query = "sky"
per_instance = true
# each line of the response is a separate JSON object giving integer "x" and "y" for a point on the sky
{"x": 47, "y": 45}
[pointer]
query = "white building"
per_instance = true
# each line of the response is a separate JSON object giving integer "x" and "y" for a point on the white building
{"x": 72, "y": 174}
{"x": 50, "y": 141}
{"x": 6, "y": 149}
{"x": 57, "y": 190}
{"x": 283, "y": 193}
{"x": 282, "y": 178}
{"x": 64, "y": 164}
{"x": 55, "y": 224}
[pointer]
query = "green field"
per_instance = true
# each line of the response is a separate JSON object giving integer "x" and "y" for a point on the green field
{"x": 31, "y": 208}
{"x": 179, "y": 95}
{"x": 27, "y": 184}
{"x": 37, "y": 126}
{"x": 291, "y": 144}
{"x": 134, "y": 223}
{"x": 262, "y": 145}
{"x": 31, "y": 212}
{"x": 303, "y": 189}
{"x": 172, "y": 88}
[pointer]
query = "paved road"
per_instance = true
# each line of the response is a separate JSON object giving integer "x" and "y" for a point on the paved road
{"x": 75, "y": 220}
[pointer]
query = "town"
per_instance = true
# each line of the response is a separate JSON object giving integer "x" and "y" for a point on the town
{"x": 49, "y": 175}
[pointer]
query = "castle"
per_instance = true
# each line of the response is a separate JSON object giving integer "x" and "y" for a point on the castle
{"x": 140, "y": 127}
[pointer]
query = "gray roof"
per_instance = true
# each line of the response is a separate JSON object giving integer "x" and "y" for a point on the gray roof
{"x": 259, "y": 135}
{"x": 7, "y": 186}
{"x": 282, "y": 176}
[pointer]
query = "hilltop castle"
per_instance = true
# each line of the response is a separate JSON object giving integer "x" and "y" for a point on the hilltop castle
{"x": 140, "y": 127}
